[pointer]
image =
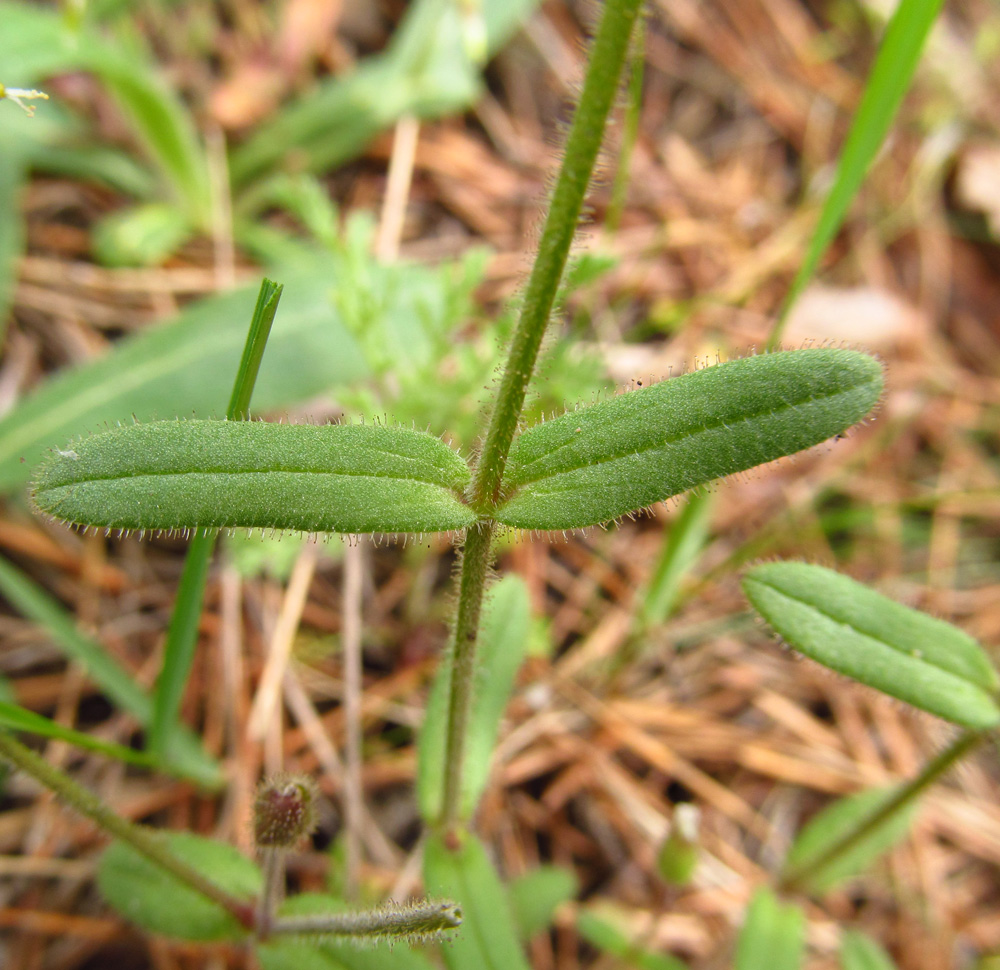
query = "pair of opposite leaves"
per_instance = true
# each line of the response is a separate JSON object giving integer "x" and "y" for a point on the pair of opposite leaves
{"x": 587, "y": 467}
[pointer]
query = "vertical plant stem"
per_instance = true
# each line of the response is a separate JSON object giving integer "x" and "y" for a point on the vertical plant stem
{"x": 475, "y": 566}
{"x": 798, "y": 877}
{"x": 607, "y": 56}
{"x": 600, "y": 88}
{"x": 143, "y": 840}
{"x": 350, "y": 640}
{"x": 273, "y": 865}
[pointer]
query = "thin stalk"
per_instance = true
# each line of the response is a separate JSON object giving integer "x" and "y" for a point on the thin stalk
{"x": 273, "y": 865}
{"x": 600, "y": 87}
{"x": 145, "y": 841}
{"x": 475, "y": 567}
{"x": 799, "y": 876}
{"x": 182, "y": 634}
{"x": 419, "y": 922}
{"x": 630, "y": 131}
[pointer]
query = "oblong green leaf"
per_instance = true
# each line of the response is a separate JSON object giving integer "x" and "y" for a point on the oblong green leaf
{"x": 619, "y": 456}
{"x": 487, "y": 939}
{"x": 155, "y": 900}
{"x": 852, "y": 629}
{"x": 773, "y": 936}
{"x": 837, "y": 820}
{"x": 502, "y": 644}
{"x": 177, "y": 475}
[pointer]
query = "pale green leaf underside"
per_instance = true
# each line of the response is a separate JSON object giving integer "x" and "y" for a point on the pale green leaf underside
{"x": 601, "y": 462}
{"x": 178, "y": 475}
{"x": 859, "y": 633}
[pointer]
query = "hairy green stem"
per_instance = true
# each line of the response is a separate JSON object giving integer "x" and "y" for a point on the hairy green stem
{"x": 145, "y": 841}
{"x": 798, "y": 877}
{"x": 607, "y": 56}
{"x": 273, "y": 866}
{"x": 475, "y": 566}
{"x": 418, "y": 922}
{"x": 586, "y": 134}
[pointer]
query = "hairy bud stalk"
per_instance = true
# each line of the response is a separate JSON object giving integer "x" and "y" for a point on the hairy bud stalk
{"x": 416, "y": 923}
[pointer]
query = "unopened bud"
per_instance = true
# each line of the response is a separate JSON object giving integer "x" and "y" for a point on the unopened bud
{"x": 284, "y": 811}
{"x": 679, "y": 855}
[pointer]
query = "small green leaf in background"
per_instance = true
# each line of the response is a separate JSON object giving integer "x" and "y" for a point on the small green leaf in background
{"x": 247, "y": 474}
{"x": 773, "y": 935}
{"x": 153, "y": 899}
{"x": 609, "y": 459}
{"x": 141, "y": 236}
{"x": 487, "y": 939}
{"x": 535, "y": 896}
{"x": 861, "y": 952}
{"x": 836, "y": 820}
{"x": 503, "y": 642}
{"x": 601, "y": 930}
{"x": 902, "y": 652}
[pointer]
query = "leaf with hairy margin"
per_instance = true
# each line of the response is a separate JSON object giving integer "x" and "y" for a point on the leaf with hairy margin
{"x": 604, "y": 461}
{"x": 181, "y": 475}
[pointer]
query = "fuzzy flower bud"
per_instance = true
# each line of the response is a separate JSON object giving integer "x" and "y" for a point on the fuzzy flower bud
{"x": 284, "y": 811}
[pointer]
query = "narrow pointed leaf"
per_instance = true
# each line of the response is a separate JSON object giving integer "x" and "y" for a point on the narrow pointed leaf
{"x": 902, "y": 652}
{"x": 835, "y": 821}
{"x": 223, "y": 474}
{"x": 619, "y": 456}
{"x": 486, "y": 939}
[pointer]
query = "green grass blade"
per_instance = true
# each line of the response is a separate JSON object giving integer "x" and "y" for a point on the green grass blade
{"x": 607, "y": 460}
{"x": 189, "y": 758}
{"x": 773, "y": 936}
{"x": 685, "y": 539}
{"x": 253, "y": 351}
{"x": 17, "y": 718}
{"x": 182, "y": 634}
{"x": 889, "y": 80}
{"x": 855, "y": 631}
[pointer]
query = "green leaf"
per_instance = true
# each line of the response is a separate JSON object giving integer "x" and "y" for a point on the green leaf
{"x": 837, "y": 820}
{"x": 179, "y": 475}
{"x": 425, "y": 72}
{"x": 142, "y": 236}
{"x": 601, "y": 930}
{"x": 861, "y": 952}
{"x": 860, "y": 633}
{"x": 503, "y": 642}
{"x": 187, "y": 757}
{"x": 535, "y": 896}
{"x": 13, "y": 174}
{"x": 773, "y": 936}
{"x": 487, "y": 938}
{"x": 153, "y": 899}
{"x": 889, "y": 80}
{"x": 19, "y": 718}
{"x": 619, "y": 456}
